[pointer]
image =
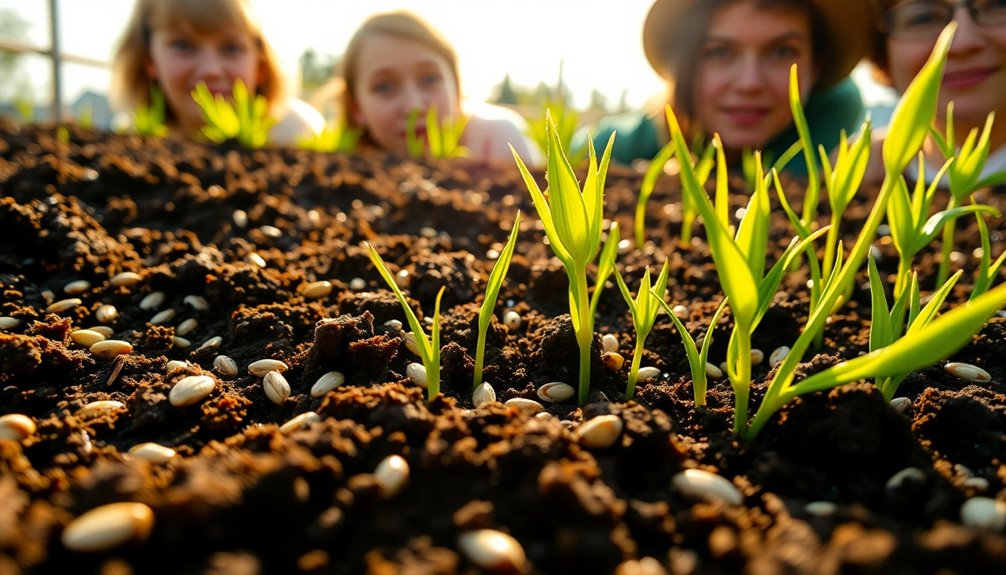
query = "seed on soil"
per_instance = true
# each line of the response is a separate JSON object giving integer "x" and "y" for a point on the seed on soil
{"x": 106, "y": 313}
{"x": 77, "y": 287}
{"x": 357, "y": 284}
{"x": 48, "y": 296}
{"x": 125, "y": 279}
{"x": 713, "y": 371}
{"x": 394, "y": 324}
{"x": 967, "y": 371}
{"x": 256, "y": 260}
{"x": 901, "y": 404}
{"x": 7, "y": 322}
{"x": 402, "y": 279}
{"x": 609, "y": 342}
{"x": 512, "y": 320}
{"x": 909, "y": 475}
{"x": 276, "y": 387}
{"x": 484, "y": 394}
{"x": 100, "y": 407}
{"x": 417, "y": 373}
{"x": 152, "y": 452}
{"x": 410, "y": 343}
{"x": 186, "y": 326}
{"x": 706, "y": 486}
{"x": 269, "y": 231}
{"x": 964, "y": 470}
{"x": 327, "y": 383}
{"x": 648, "y": 373}
{"x": 318, "y": 289}
{"x": 821, "y": 508}
{"x": 196, "y": 302}
{"x": 984, "y": 513}
{"x": 63, "y": 305}
{"x": 299, "y": 421}
{"x": 526, "y": 405}
{"x": 240, "y": 218}
{"x": 680, "y": 311}
{"x": 778, "y": 355}
{"x": 493, "y": 551}
{"x": 600, "y": 432}
{"x": 757, "y": 356}
{"x": 110, "y": 348}
{"x": 103, "y": 330}
{"x": 108, "y": 526}
{"x": 225, "y": 366}
{"x": 191, "y": 389}
{"x": 176, "y": 364}
{"x": 180, "y": 342}
{"x": 555, "y": 392}
{"x": 979, "y": 484}
{"x": 152, "y": 300}
{"x": 612, "y": 360}
{"x": 214, "y": 341}
{"x": 86, "y": 337}
{"x": 16, "y": 426}
{"x": 263, "y": 366}
{"x": 391, "y": 475}
{"x": 163, "y": 316}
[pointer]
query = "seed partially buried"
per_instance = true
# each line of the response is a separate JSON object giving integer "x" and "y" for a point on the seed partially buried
{"x": 108, "y": 526}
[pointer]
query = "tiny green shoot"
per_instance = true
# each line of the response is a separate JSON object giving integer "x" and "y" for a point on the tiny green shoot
{"x": 697, "y": 358}
{"x": 566, "y": 121}
{"x": 987, "y": 270}
{"x": 148, "y": 120}
{"x": 245, "y": 121}
{"x": 443, "y": 137}
{"x": 493, "y": 286}
{"x": 333, "y": 138}
{"x": 644, "y": 309}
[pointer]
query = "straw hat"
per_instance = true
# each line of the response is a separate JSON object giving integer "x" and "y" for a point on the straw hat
{"x": 848, "y": 23}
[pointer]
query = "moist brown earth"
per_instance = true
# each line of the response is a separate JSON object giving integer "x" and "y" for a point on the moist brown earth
{"x": 241, "y": 496}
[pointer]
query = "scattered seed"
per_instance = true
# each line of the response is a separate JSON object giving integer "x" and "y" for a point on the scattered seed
{"x": 647, "y": 374}
{"x": 757, "y": 356}
{"x": 180, "y": 342}
{"x": 984, "y": 513}
{"x": 240, "y": 218}
{"x": 7, "y": 322}
{"x": 108, "y": 526}
{"x": 612, "y": 360}
{"x": 707, "y": 486}
{"x": 402, "y": 279}
{"x": 152, "y": 300}
{"x": 191, "y": 389}
{"x": 225, "y": 366}
{"x": 63, "y": 305}
{"x": 357, "y": 284}
{"x": 600, "y": 432}
{"x": 100, "y": 407}
{"x": 428, "y": 321}
{"x": 394, "y": 324}
{"x": 555, "y": 392}
{"x": 176, "y": 364}
{"x": 299, "y": 421}
{"x": 410, "y": 343}
{"x": 327, "y": 383}
{"x": 106, "y": 313}
{"x": 526, "y": 405}
{"x": 16, "y": 426}
{"x": 543, "y": 415}
{"x": 196, "y": 302}
{"x": 163, "y": 317}
{"x": 263, "y": 366}
{"x": 318, "y": 289}
{"x": 609, "y": 342}
{"x": 713, "y": 371}
{"x": 152, "y": 452}
{"x": 417, "y": 373}
{"x": 77, "y": 287}
{"x": 187, "y": 326}
{"x": 493, "y": 551}
{"x": 821, "y": 508}
{"x": 484, "y": 394}
{"x": 214, "y": 341}
{"x": 979, "y": 484}
{"x": 963, "y": 470}
{"x": 103, "y": 330}
{"x": 681, "y": 311}
{"x": 86, "y": 337}
{"x": 901, "y": 404}
{"x": 125, "y": 279}
{"x": 255, "y": 259}
{"x": 270, "y": 231}
{"x": 967, "y": 371}
{"x": 391, "y": 475}
{"x": 276, "y": 387}
{"x": 908, "y": 474}
{"x": 512, "y": 320}
{"x": 48, "y": 296}
{"x": 778, "y": 355}
{"x": 110, "y": 348}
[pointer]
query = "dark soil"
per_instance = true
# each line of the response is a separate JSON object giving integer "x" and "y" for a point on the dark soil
{"x": 243, "y": 497}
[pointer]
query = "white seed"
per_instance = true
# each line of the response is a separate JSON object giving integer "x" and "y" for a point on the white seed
{"x": 391, "y": 475}
{"x": 722, "y": 367}
{"x": 967, "y": 371}
{"x": 821, "y": 508}
{"x": 152, "y": 452}
{"x": 276, "y": 387}
{"x": 984, "y": 513}
{"x": 100, "y": 407}
{"x": 125, "y": 279}
{"x": 86, "y": 337}
{"x": 543, "y": 415}
{"x": 394, "y": 324}
{"x": 191, "y": 389}
{"x": 410, "y": 343}
{"x": 417, "y": 373}
{"x": 757, "y": 356}
{"x": 106, "y": 313}
{"x": 187, "y": 326}
{"x": 299, "y": 421}
{"x": 327, "y": 383}
{"x": 706, "y": 486}
{"x": 110, "y": 348}
{"x": 555, "y": 392}
{"x": 225, "y": 366}
{"x": 402, "y": 279}
{"x": 600, "y": 432}
{"x": 911, "y": 474}
{"x": 778, "y": 355}
{"x": 48, "y": 296}
{"x": 493, "y": 551}
{"x": 318, "y": 289}
{"x": 16, "y": 426}
{"x": 214, "y": 341}
{"x": 512, "y": 320}
{"x": 713, "y": 371}
{"x": 979, "y": 484}
{"x": 196, "y": 302}
{"x": 108, "y": 526}
{"x": 176, "y": 364}
{"x": 152, "y": 300}
{"x": 77, "y": 287}
{"x": 163, "y": 317}
{"x": 647, "y": 374}
{"x": 270, "y": 231}
{"x": 680, "y": 311}
{"x": 609, "y": 342}
{"x": 526, "y": 405}
{"x": 357, "y": 284}
{"x": 901, "y": 404}
{"x": 263, "y": 366}
{"x": 63, "y": 305}
{"x": 103, "y": 330}
{"x": 484, "y": 394}
{"x": 240, "y": 218}
{"x": 612, "y": 360}
{"x": 7, "y": 322}
{"x": 255, "y": 259}
{"x": 180, "y": 342}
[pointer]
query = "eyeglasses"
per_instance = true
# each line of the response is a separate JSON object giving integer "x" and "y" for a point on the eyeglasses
{"x": 925, "y": 19}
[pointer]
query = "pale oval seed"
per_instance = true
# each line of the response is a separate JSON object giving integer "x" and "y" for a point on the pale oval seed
{"x": 163, "y": 316}
{"x": 298, "y": 421}
{"x": 394, "y": 324}
{"x": 152, "y": 300}
{"x": 63, "y": 305}
{"x": 263, "y": 366}
{"x": 255, "y": 259}
{"x": 103, "y": 330}
{"x": 612, "y": 360}
{"x": 600, "y": 432}
{"x": 106, "y": 313}
{"x": 191, "y": 389}
{"x": 757, "y": 356}
{"x": 125, "y": 279}
{"x": 86, "y": 337}
{"x": 110, "y": 348}
{"x": 327, "y": 383}
{"x": 176, "y": 364}
{"x": 391, "y": 475}
{"x": 318, "y": 289}
{"x": 778, "y": 355}
{"x": 967, "y": 371}
{"x": 512, "y": 320}
{"x": 186, "y": 326}
{"x": 977, "y": 483}
{"x": 417, "y": 373}
{"x": 180, "y": 342}
{"x": 240, "y": 218}
{"x": 108, "y": 526}
{"x": 152, "y": 452}
{"x": 214, "y": 341}
{"x": 647, "y": 374}
{"x": 484, "y": 394}
{"x": 609, "y": 342}
{"x": 707, "y": 486}
{"x": 680, "y": 311}
{"x": 225, "y": 366}
{"x": 526, "y": 405}
{"x": 911, "y": 474}
{"x": 276, "y": 387}
{"x": 984, "y": 513}
{"x": 77, "y": 287}
{"x": 411, "y": 344}
{"x": 16, "y": 426}
{"x": 196, "y": 302}
{"x": 901, "y": 404}
{"x": 7, "y": 322}
{"x": 713, "y": 371}
{"x": 357, "y": 284}
{"x": 821, "y": 508}
{"x": 493, "y": 551}
{"x": 100, "y": 407}
{"x": 555, "y": 392}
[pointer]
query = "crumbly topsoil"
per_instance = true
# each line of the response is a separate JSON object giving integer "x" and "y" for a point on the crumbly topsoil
{"x": 246, "y": 231}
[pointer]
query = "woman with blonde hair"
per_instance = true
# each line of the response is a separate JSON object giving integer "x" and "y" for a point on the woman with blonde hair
{"x": 174, "y": 45}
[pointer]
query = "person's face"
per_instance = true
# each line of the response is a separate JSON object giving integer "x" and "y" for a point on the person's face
{"x": 742, "y": 73}
{"x": 975, "y": 75}
{"x": 181, "y": 58}
{"x": 394, "y": 77}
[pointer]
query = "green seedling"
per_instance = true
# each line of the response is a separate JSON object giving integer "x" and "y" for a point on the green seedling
{"x": 333, "y": 138}
{"x": 245, "y": 121}
{"x": 149, "y": 120}
{"x": 443, "y": 137}
{"x": 429, "y": 347}
{"x": 987, "y": 270}
{"x": 565, "y": 120}
{"x": 653, "y": 173}
{"x": 644, "y": 309}
{"x": 697, "y": 358}
{"x": 493, "y": 286}
{"x": 605, "y": 265}
{"x": 572, "y": 220}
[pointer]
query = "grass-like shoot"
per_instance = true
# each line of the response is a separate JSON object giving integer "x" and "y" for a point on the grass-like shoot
{"x": 987, "y": 269}
{"x": 443, "y": 138}
{"x": 644, "y": 309}
{"x": 246, "y": 120}
{"x": 149, "y": 120}
{"x": 429, "y": 347}
{"x": 572, "y": 220}
{"x": 493, "y": 286}
{"x": 697, "y": 357}
{"x": 565, "y": 120}
{"x": 333, "y": 138}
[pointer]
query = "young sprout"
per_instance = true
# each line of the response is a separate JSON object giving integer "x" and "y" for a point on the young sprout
{"x": 493, "y": 285}
{"x": 605, "y": 265}
{"x": 443, "y": 138}
{"x": 332, "y": 138}
{"x": 697, "y": 358}
{"x": 644, "y": 311}
{"x": 429, "y": 347}
{"x": 565, "y": 121}
{"x": 572, "y": 220}
{"x": 987, "y": 270}
{"x": 246, "y": 120}
{"x": 149, "y": 120}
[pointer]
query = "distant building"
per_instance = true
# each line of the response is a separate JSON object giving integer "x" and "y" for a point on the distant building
{"x": 93, "y": 106}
